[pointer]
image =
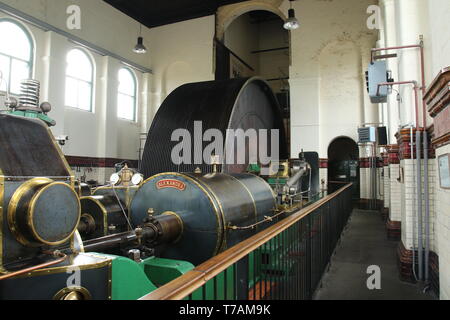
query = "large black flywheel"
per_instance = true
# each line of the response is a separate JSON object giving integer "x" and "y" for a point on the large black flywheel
{"x": 222, "y": 105}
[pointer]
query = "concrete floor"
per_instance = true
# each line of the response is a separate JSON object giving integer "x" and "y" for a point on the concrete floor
{"x": 364, "y": 243}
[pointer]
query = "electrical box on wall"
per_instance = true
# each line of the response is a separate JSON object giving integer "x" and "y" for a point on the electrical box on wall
{"x": 382, "y": 138}
{"x": 367, "y": 134}
{"x": 376, "y": 74}
{"x": 372, "y": 135}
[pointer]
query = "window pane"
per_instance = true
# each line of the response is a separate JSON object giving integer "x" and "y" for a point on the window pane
{"x": 20, "y": 71}
{"x": 79, "y": 65}
{"x": 125, "y": 107}
{"x": 71, "y": 92}
{"x": 14, "y": 41}
{"x": 84, "y": 96}
{"x": 127, "y": 83}
{"x": 79, "y": 80}
{"x": 4, "y": 68}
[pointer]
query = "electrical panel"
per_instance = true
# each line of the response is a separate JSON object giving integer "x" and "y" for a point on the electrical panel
{"x": 372, "y": 135}
{"x": 367, "y": 134}
{"x": 376, "y": 74}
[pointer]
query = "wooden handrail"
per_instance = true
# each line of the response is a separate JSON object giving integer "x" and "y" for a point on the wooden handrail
{"x": 186, "y": 284}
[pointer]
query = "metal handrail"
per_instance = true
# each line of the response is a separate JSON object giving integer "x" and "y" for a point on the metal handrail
{"x": 186, "y": 284}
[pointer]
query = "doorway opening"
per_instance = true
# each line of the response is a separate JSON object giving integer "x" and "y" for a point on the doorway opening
{"x": 343, "y": 165}
{"x": 256, "y": 44}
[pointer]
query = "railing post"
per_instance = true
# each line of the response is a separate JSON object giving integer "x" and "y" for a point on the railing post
{"x": 241, "y": 279}
{"x": 308, "y": 257}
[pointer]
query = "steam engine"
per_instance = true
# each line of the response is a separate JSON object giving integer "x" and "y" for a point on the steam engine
{"x": 67, "y": 242}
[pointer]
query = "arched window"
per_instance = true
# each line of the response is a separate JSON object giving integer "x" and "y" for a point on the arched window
{"x": 16, "y": 55}
{"x": 79, "y": 80}
{"x": 126, "y": 100}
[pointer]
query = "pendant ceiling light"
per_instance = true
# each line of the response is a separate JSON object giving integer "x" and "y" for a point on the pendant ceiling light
{"x": 140, "y": 48}
{"x": 292, "y": 22}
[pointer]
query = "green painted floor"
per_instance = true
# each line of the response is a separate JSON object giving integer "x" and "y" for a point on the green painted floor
{"x": 364, "y": 243}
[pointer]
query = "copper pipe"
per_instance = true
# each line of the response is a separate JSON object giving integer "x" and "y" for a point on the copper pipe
{"x": 422, "y": 70}
{"x": 62, "y": 258}
{"x": 422, "y": 67}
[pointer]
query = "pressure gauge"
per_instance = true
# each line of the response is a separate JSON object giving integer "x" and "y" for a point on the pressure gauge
{"x": 137, "y": 179}
{"x": 114, "y": 179}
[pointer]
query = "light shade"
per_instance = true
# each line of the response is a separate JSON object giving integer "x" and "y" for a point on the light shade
{"x": 140, "y": 48}
{"x": 292, "y": 22}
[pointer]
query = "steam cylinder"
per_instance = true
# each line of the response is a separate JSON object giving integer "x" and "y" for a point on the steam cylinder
{"x": 210, "y": 208}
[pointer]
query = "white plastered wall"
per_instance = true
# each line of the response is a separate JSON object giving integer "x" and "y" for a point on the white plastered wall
{"x": 330, "y": 53}
{"x": 99, "y": 133}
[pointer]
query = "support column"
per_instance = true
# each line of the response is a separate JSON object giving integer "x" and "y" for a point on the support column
{"x": 394, "y": 223}
{"x": 386, "y": 186}
{"x": 410, "y": 26}
{"x": 390, "y": 40}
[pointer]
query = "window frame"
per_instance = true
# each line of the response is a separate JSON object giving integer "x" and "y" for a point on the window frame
{"x": 135, "y": 96}
{"x": 91, "y": 82}
{"x": 30, "y": 62}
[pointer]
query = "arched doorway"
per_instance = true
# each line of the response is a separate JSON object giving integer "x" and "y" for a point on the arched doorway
{"x": 343, "y": 165}
{"x": 256, "y": 44}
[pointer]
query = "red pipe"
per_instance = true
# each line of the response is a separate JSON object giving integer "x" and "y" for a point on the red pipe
{"x": 422, "y": 71}
{"x": 422, "y": 63}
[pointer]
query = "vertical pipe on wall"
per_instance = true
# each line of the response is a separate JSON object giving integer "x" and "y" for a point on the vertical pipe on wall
{"x": 425, "y": 157}
{"x": 419, "y": 204}
{"x": 427, "y": 204}
{"x": 373, "y": 171}
{"x": 411, "y": 141}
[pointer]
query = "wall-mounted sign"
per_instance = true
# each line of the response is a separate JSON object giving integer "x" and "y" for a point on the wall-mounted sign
{"x": 444, "y": 171}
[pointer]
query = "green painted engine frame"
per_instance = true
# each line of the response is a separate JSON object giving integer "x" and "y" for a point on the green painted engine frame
{"x": 131, "y": 280}
{"x": 34, "y": 115}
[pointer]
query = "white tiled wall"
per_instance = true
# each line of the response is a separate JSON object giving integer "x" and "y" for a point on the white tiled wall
{"x": 409, "y": 203}
{"x": 387, "y": 187}
{"x": 364, "y": 185}
{"x": 395, "y": 193}
{"x": 380, "y": 184}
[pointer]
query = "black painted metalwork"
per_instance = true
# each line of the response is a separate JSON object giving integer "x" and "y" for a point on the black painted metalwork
{"x": 220, "y": 105}
{"x": 284, "y": 262}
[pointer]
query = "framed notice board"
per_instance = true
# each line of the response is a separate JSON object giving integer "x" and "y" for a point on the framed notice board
{"x": 444, "y": 171}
